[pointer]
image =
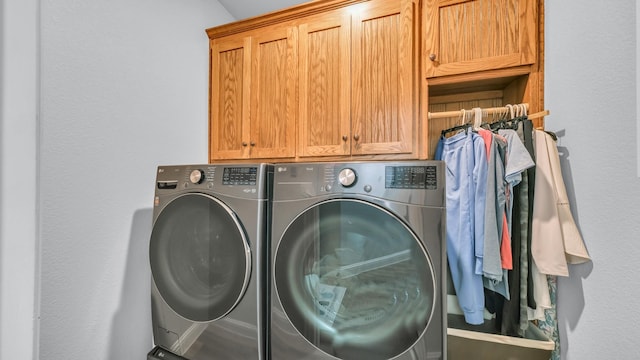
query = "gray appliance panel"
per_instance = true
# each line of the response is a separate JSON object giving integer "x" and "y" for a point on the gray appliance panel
{"x": 241, "y": 333}
{"x": 411, "y": 182}
{"x": 300, "y": 188}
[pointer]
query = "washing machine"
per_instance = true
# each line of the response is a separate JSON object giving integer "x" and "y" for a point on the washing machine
{"x": 208, "y": 251}
{"x": 358, "y": 261}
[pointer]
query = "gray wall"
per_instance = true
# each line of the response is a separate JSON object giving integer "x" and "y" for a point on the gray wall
{"x": 123, "y": 88}
{"x": 18, "y": 177}
{"x": 591, "y": 92}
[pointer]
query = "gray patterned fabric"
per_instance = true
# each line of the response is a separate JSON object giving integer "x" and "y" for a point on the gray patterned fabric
{"x": 550, "y": 325}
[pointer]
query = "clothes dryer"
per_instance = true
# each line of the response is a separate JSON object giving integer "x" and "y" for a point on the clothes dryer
{"x": 358, "y": 262}
{"x": 207, "y": 252}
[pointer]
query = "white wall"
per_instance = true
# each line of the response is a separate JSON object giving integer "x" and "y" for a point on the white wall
{"x": 124, "y": 89}
{"x": 591, "y": 92}
{"x": 18, "y": 177}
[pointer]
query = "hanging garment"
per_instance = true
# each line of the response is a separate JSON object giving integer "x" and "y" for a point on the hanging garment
{"x": 549, "y": 325}
{"x": 491, "y": 263}
{"x": 494, "y": 276}
{"x": 541, "y": 294}
{"x": 527, "y": 298}
{"x": 466, "y": 176}
{"x": 556, "y": 239}
{"x": 505, "y": 245}
{"x": 515, "y": 311}
{"x": 518, "y": 160}
{"x": 501, "y": 189}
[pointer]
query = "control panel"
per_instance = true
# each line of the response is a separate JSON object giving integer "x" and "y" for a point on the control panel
{"x": 416, "y": 182}
{"x": 239, "y": 180}
{"x": 239, "y": 175}
{"x": 411, "y": 177}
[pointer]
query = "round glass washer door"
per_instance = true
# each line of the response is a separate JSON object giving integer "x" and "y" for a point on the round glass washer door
{"x": 354, "y": 280}
{"x": 200, "y": 257}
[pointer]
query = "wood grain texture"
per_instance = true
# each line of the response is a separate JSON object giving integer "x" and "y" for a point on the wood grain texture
{"x": 383, "y": 101}
{"x": 273, "y": 86}
{"x": 476, "y": 35}
{"x": 229, "y": 94}
{"x": 325, "y": 81}
{"x": 537, "y": 75}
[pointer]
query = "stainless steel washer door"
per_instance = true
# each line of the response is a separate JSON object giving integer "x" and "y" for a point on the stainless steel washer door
{"x": 354, "y": 280}
{"x": 200, "y": 257}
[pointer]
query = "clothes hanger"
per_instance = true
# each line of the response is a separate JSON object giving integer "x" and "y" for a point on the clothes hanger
{"x": 477, "y": 118}
{"x": 464, "y": 125}
{"x": 518, "y": 114}
{"x": 502, "y": 118}
{"x": 524, "y": 116}
{"x": 505, "y": 118}
{"x": 485, "y": 119}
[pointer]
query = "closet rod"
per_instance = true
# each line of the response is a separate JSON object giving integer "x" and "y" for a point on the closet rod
{"x": 538, "y": 114}
{"x": 458, "y": 113}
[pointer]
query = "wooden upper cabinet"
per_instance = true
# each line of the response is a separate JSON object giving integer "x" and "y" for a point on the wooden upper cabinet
{"x": 273, "y": 93}
{"x": 324, "y": 126}
{"x": 462, "y": 36}
{"x": 325, "y": 79}
{"x": 384, "y": 97}
{"x": 229, "y": 111}
{"x": 253, "y": 84}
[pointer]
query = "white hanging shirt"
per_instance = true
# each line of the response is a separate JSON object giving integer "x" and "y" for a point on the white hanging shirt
{"x": 555, "y": 240}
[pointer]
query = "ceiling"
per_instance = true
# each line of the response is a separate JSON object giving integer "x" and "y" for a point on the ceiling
{"x": 242, "y": 9}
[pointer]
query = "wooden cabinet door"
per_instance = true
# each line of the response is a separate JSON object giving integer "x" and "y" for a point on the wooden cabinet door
{"x": 229, "y": 96}
{"x": 273, "y": 109}
{"x": 324, "y": 124}
{"x": 384, "y": 102}
{"x": 463, "y": 36}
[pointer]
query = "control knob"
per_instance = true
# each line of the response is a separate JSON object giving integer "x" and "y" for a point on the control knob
{"x": 347, "y": 177}
{"x": 196, "y": 176}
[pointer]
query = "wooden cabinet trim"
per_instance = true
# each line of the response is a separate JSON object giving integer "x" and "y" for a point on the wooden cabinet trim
{"x": 479, "y": 76}
{"x": 280, "y": 16}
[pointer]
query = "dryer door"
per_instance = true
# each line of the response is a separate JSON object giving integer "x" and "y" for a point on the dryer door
{"x": 354, "y": 280}
{"x": 200, "y": 257}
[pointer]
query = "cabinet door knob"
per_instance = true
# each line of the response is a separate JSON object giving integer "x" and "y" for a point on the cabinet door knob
{"x": 345, "y": 138}
{"x": 356, "y": 137}
{"x": 253, "y": 143}
{"x": 244, "y": 143}
{"x": 432, "y": 57}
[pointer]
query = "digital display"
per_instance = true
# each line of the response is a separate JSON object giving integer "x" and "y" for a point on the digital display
{"x": 239, "y": 176}
{"x": 411, "y": 177}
